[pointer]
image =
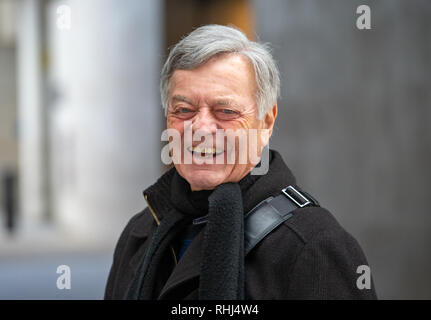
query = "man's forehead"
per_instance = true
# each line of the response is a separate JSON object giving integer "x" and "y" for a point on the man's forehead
{"x": 234, "y": 64}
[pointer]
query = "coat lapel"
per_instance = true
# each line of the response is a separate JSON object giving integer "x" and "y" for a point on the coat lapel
{"x": 187, "y": 268}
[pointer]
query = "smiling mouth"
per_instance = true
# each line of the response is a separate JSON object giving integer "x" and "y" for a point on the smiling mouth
{"x": 205, "y": 152}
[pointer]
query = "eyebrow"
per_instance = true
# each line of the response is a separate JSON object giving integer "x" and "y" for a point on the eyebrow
{"x": 227, "y": 102}
{"x": 181, "y": 99}
{"x": 218, "y": 102}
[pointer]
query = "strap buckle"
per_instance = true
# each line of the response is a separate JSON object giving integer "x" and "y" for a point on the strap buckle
{"x": 298, "y": 198}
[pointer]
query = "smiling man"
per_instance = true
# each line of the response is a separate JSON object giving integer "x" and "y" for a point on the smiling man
{"x": 217, "y": 95}
{"x": 213, "y": 228}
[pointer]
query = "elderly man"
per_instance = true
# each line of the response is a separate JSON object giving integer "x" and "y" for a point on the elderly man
{"x": 215, "y": 229}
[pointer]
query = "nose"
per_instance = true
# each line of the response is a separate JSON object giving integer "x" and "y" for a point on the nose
{"x": 204, "y": 121}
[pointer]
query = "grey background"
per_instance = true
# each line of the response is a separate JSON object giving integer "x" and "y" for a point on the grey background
{"x": 354, "y": 124}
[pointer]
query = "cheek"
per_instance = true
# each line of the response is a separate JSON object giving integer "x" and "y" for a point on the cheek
{"x": 242, "y": 123}
{"x": 173, "y": 123}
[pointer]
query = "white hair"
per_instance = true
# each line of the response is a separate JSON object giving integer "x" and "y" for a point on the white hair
{"x": 208, "y": 41}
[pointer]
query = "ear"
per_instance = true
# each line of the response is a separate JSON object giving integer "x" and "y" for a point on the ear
{"x": 270, "y": 117}
{"x": 268, "y": 124}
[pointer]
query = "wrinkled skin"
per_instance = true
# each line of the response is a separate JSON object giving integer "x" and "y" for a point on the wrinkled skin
{"x": 219, "y": 94}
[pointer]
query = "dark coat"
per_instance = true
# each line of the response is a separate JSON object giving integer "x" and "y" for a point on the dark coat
{"x": 310, "y": 256}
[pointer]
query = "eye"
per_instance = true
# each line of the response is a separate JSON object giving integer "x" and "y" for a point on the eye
{"x": 227, "y": 114}
{"x": 184, "y": 110}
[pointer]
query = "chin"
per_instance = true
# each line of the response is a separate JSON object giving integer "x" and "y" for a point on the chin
{"x": 203, "y": 179}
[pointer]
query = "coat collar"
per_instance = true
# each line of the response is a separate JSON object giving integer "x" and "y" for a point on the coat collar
{"x": 158, "y": 196}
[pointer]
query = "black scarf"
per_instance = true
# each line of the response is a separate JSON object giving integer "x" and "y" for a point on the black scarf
{"x": 222, "y": 265}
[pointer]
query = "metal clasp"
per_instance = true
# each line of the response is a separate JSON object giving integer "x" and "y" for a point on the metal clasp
{"x": 297, "y": 197}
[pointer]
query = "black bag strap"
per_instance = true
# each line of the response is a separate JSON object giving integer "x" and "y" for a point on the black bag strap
{"x": 272, "y": 212}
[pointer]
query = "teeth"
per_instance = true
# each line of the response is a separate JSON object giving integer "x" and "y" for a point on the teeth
{"x": 207, "y": 150}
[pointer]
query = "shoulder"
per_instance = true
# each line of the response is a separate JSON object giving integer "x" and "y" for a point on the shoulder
{"x": 129, "y": 247}
{"x": 310, "y": 223}
{"x": 139, "y": 225}
{"x": 321, "y": 234}
{"x": 326, "y": 267}
{"x": 138, "y": 228}
{"x": 311, "y": 256}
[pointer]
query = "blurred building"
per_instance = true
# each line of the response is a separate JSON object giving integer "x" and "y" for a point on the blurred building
{"x": 8, "y": 102}
{"x": 80, "y": 122}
